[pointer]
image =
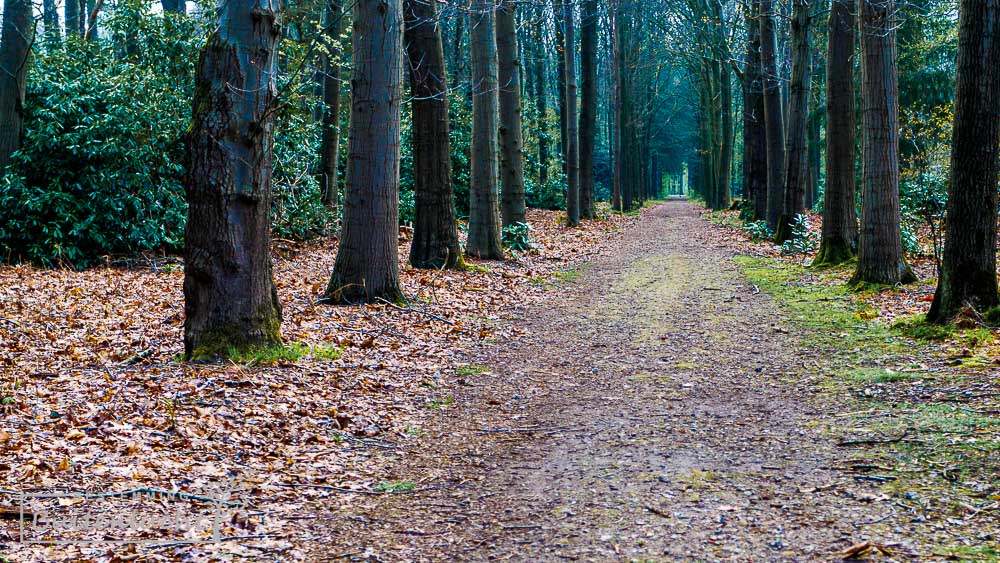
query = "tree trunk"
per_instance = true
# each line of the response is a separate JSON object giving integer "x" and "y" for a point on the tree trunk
{"x": 329, "y": 147}
{"x": 754, "y": 132}
{"x": 968, "y": 266}
{"x": 50, "y": 20}
{"x": 367, "y": 266}
{"x": 840, "y": 222}
{"x": 774, "y": 124}
{"x": 723, "y": 194}
{"x": 484, "y": 220}
{"x": 17, "y": 35}
{"x": 541, "y": 101}
{"x": 588, "y": 106}
{"x": 572, "y": 146}
{"x": 511, "y": 137}
{"x": 230, "y": 299}
{"x": 72, "y": 17}
{"x": 616, "y": 87}
{"x": 813, "y": 159}
{"x": 797, "y": 146}
{"x": 557, "y": 12}
{"x": 174, "y": 6}
{"x": 435, "y": 237}
{"x": 880, "y": 252}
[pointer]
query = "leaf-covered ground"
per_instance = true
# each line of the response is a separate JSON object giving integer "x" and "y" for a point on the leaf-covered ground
{"x": 95, "y": 399}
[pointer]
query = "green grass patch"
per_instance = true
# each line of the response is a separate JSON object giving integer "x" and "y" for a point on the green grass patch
{"x": 569, "y": 275}
{"x": 395, "y": 486}
{"x": 917, "y": 328}
{"x": 470, "y": 370}
{"x": 271, "y": 355}
{"x": 879, "y": 375}
{"x": 438, "y": 404}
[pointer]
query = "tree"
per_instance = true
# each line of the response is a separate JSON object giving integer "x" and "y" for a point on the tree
{"x": 174, "y": 6}
{"x": 588, "y": 106}
{"x": 17, "y": 36}
{"x": 511, "y": 138}
{"x": 754, "y": 132}
{"x": 796, "y": 146}
{"x": 73, "y": 17}
{"x": 329, "y": 146}
{"x": 367, "y": 266}
{"x": 968, "y": 267}
{"x": 541, "y": 99}
{"x": 572, "y": 146}
{"x": 880, "y": 249}
{"x": 840, "y": 222}
{"x": 229, "y": 292}
{"x": 484, "y": 221}
{"x": 773, "y": 116}
{"x": 435, "y": 238}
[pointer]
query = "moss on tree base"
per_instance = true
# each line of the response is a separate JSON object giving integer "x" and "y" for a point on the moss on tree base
{"x": 833, "y": 252}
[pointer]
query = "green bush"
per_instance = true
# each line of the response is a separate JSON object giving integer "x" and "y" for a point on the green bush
{"x": 803, "y": 240}
{"x": 517, "y": 237}
{"x": 758, "y": 230}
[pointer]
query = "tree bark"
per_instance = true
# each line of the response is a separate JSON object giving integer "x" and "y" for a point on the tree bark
{"x": 230, "y": 298}
{"x": 754, "y": 131}
{"x": 572, "y": 131}
{"x": 50, "y": 20}
{"x": 840, "y": 221}
{"x": 512, "y": 209}
{"x": 329, "y": 147}
{"x": 484, "y": 220}
{"x": 880, "y": 249}
{"x": 588, "y": 106}
{"x": 17, "y": 35}
{"x": 435, "y": 237}
{"x": 557, "y": 13}
{"x": 541, "y": 101}
{"x": 72, "y": 17}
{"x": 796, "y": 146}
{"x": 174, "y": 6}
{"x": 367, "y": 266}
{"x": 968, "y": 267}
{"x": 774, "y": 123}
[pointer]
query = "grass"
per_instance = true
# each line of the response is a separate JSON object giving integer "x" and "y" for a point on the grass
{"x": 470, "y": 370}
{"x": 287, "y": 353}
{"x": 569, "y": 275}
{"x": 879, "y": 375}
{"x": 395, "y": 486}
{"x": 438, "y": 404}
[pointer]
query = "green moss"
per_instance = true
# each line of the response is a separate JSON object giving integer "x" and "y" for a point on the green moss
{"x": 471, "y": 369}
{"x": 987, "y": 551}
{"x": 878, "y": 375}
{"x": 918, "y": 328}
{"x": 326, "y": 352}
{"x": 992, "y": 316}
{"x": 233, "y": 341}
{"x": 395, "y": 486}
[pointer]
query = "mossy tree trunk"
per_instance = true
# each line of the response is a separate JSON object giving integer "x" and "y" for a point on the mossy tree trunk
{"x": 968, "y": 266}
{"x": 512, "y": 207}
{"x": 435, "y": 237}
{"x": 229, "y": 293}
{"x": 840, "y": 221}
{"x": 880, "y": 249}
{"x": 367, "y": 266}
{"x": 484, "y": 217}
{"x": 797, "y": 135}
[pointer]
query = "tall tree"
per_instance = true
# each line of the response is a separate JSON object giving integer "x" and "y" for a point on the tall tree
{"x": 541, "y": 98}
{"x": 174, "y": 6}
{"x": 329, "y": 146}
{"x": 880, "y": 249}
{"x": 484, "y": 220}
{"x": 840, "y": 221}
{"x": 796, "y": 145}
{"x": 367, "y": 266}
{"x": 511, "y": 137}
{"x": 50, "y": 20}
{"x": 754, "y": 133}
{"x": 969, "y": 264}
{"x": 572, "y": 146}
{"x": 588, "y": 106}
{"x": 773, "y": 115}
{"x": 229, "y": 292}
{"x": 73, "y": 17}
{"x": 435, "y": 237}
{"x": 15, "y": 41}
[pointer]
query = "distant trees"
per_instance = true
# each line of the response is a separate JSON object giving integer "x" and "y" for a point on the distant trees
{"x": 367, "y": 266}
{"x": 880, "y": 248}
{"x": 572, "y": 154}
{"x": 15, "y": 39}
{"x": 968, "y": 270}
{"x": 230, "y": 301}
{"x": 511, "y": 137}
{"x": 329, "y": 147}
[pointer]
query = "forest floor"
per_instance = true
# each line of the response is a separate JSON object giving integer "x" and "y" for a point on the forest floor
{"x": 673, "y": 392}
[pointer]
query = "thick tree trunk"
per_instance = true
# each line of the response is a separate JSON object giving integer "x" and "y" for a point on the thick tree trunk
{"x": 484, "y": 220}
{"x": 174, "y": 6}
{"x": 329, "y": 146}
{"x": 367, "y": 266}
{"x": 512, "y": 208}
{"x": 723, "y": 197}
{"x": 797, "y": 146}
{"x": 968, "y": 266}
{"x": 572, "y": 131}
{"x": 840, "y": 221}
{"x": 773, "y": 114}
{"x": 435, "y": 236}
{"x": 614, "y": 17}
{"x": 230, "y": 299}
{"x": 17, "y": 36}
{"x": 880, "y": 249}
{"x": 754, "y": 132}
{"x": 72, "y": 17}
{"x": 541, "y": 101}
{"x": 588, "y": 106}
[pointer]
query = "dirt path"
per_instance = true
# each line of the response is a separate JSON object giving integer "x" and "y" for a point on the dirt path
{"x": 653, "y": 411}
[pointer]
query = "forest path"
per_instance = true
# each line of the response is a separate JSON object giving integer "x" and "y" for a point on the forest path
{"x": 653, "y": 411}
